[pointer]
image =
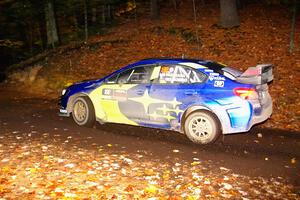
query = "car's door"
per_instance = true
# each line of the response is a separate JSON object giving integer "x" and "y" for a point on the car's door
{"x": 123, "y": 95}
{"x": 178, "y": 87}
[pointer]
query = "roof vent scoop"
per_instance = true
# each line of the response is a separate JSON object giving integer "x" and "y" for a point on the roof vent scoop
{"x": 261, "y": 74}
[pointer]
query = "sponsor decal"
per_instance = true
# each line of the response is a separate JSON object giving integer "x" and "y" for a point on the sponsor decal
{"x": 164, "y": 69}
{"x": 216, "y": 76}
{"x": 120, "y": 95}
{"x": 219, "y": 83}
{"x": 114, "y": 94}
{"x": 208, "y": 70}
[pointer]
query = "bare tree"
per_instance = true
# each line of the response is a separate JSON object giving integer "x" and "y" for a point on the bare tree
{"x": 86, "y": 33}
{"x": 292, "y": 35}
{"x": 52, "y": 36}
{"x": 154, "y": 9}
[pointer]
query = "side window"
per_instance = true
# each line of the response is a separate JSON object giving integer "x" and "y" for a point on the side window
{"x": 197, "y": 77}
{"x": 112, "y": 79}
{"x": 121, "y": 77}
{"x": 141, "y": 75}
{"x": 124, "y": 76}
{"x": 134, "y": 76}
{"x": 176, "y": 74}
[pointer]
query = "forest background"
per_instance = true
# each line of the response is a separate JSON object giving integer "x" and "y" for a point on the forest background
{"x": 47, "y": 45}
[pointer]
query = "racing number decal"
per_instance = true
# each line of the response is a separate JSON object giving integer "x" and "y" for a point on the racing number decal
{"x": 107, "y": 92}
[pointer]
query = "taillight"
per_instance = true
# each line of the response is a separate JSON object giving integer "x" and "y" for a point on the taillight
{"x": 246, "y": 93}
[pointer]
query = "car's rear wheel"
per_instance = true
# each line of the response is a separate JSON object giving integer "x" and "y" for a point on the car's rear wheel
{"x": 202, "y": 127}
{"x": 83, "y": 111}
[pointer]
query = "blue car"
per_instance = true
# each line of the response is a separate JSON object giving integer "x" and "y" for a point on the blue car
{"x": 200, "y": 98}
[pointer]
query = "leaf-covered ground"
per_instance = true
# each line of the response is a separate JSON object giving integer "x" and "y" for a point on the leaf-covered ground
{"x": 263, "y": 37}
{"x": 40, "y": 165}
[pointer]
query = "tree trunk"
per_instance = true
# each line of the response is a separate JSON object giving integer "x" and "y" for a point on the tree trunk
{"x": 42, "y": 32}
{"x": 103, "y": 15}
{"x": 135, "y": 11}
{"x": 292, "y": 35}
{"x": 39, "y": 16}
{"x": 229, "y": 16}
{"x": 94, "y": 15}
{"x": 109, "y": 12}
{"x": 30, "y": 37}
{"x": 86, "y": 33}
{"x": 52, "y": 37}
{"x": 174, "y": 2}
{"x": 197, "y": 27}
{"x": 75, "y": 22}
{"x": 154, "y": 9}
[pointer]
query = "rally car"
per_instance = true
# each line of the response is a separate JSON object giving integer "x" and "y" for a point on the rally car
{"x": 200, "y": 98}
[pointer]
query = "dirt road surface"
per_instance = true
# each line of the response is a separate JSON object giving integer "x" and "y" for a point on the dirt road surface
{"x": 42, "y": 154}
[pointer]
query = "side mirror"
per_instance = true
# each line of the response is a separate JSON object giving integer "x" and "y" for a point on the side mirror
{"x": 121, "y": 82}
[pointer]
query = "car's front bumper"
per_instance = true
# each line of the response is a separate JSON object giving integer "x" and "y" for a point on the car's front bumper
{"x": 63, "y": 113}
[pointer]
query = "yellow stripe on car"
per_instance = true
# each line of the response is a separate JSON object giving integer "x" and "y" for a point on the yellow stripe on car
{"x": 107, "y": 109}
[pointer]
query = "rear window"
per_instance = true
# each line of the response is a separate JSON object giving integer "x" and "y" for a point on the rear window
{"x": 231, "y": 73}
{"x": 177, "y": 74}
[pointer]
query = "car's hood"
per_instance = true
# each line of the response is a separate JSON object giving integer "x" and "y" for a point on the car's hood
{"x": 88, "y": 82}
{"x": 85, "y": 85}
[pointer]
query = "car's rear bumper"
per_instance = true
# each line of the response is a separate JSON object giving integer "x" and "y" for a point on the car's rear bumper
{"x": 264, "y": 114}
{"x": 242, "y": 118}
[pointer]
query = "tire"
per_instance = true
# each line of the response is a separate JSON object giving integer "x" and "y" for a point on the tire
{"x": 83, "y": 112}
{"x": 202, "y": 127}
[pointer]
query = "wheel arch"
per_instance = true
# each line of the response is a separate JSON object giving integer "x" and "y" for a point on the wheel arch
{"x": 72, "y": 98}
{"x": 196, "y": 108}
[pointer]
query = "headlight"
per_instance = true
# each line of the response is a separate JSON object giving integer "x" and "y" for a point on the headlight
{"x": 63, "y": 92}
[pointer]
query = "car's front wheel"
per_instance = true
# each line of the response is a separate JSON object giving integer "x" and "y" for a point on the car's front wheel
{"x": 83, "y": 111}
{"x": 202, "y": 127}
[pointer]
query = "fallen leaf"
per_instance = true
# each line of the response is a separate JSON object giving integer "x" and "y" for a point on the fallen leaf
{"x": 293, "y": 160}
{"x": 129, "y": 188}
{"x": 259, "y": 135}
{"x": 71, "y": 165}
{"x": 151, "y": 189}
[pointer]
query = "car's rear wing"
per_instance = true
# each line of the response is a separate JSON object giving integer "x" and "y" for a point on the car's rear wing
{"x": 261, "y": 74}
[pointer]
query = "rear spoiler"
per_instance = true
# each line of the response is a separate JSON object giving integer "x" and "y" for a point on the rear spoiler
{"x": 261, "y": 74}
